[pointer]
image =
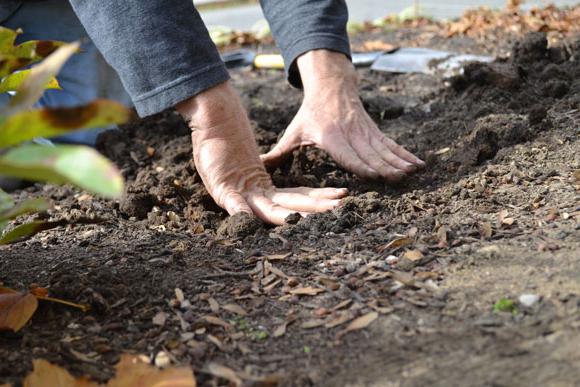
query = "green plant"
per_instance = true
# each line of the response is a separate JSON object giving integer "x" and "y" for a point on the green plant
{"x": 20, "y": 123}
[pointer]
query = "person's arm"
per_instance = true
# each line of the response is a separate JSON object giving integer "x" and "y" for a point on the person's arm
{"x": 300, "y": 26}
{"x": 165, "y": 58}
{"x": 161, "y": 49}
{"x": 312, "y": 37}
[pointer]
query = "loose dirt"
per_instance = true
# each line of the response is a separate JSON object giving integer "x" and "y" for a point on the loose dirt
{"x": 495, "y": 216}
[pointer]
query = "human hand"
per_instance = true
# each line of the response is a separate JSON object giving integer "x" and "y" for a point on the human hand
{"x": 333, "y": 118}
{"x": 226, "y": 157}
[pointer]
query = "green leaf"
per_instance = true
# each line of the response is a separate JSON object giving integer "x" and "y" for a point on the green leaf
{"x": 25, "y": 126}
{"x": 40, "y": 75}
{"x": 6, "y": 201}
{"x": 78, "y": 165}
{"x": 36, "y": 50}
{"x": 26, "y": 207}
{"x": 13, "y": 81}
{"x": 504, "y": 305}
{"x": 27, "y": 230}
{"x": 7, "y": 38}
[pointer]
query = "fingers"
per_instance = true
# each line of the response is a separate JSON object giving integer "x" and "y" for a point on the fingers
{"x": 286, "y": 145}
{"x": 269, "y": 211}
{"x": 344, "y": 154}
{"x": 371, "y": 157}
{"x": 390, "y": 157}
{"x": 402, "y": 152}
{"x": 303, "y": 203}
{"x": 235, "y": 203}
{"x": 318, "y": 193}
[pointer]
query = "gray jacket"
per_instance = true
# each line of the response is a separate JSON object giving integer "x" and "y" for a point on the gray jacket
{"x": 163, "y": 53}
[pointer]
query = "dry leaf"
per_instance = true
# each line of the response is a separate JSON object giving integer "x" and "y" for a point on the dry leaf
{"x": 306, "y": 291}
{"x": 359, "y": 323}
{"x": 278, "y": 257}
{"x": 213, "y": 305}
{"x": 342, "y": 319}
{"x": 329, "y": 283}
{"x": 179, "y": 295}
{"x": 225, "y": 373}
{"x": 313, "y": 323}
{"x": 16, "y": 309}
{"x": 442, "y": 151}
{"x": 485, "y": 230}
{"x": 132, "y": 371}
{"x": 377, "y": 45}
{"x": 442, "y": 237}
{"x": 280, "y": 330}
{"x": 396, "y": 244}
{"x": 413, "y": 255}
{"x": 341, "y": 305}
{"x": 234, "y": 308}
{"x": 45, "y": 374}
{"x": 278, "y": 272}
{"x": 160, "y": 319}
{"x": 216, "y": 321}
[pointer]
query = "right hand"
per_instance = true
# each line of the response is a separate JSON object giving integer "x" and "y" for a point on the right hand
{"x": 226, "y": 157}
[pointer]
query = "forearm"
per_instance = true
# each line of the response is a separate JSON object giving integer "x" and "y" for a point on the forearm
{"x": 162, "y": 52}
{"x": 301, "y": 26}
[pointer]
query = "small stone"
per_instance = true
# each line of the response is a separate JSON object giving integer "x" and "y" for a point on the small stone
{"x": 351, "y": 267}
{"x": 528, "y": 300}
{"x": 162, "y": 359}
{"x": 392, "y": 260}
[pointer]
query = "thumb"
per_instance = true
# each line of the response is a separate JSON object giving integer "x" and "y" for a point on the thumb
{"x": 289, "y": 141}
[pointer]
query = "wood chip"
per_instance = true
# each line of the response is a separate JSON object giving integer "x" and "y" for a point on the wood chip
{"x": 396, "y": 244}
{"x": 179, "y": 295}
{"x": 329, "y": 283}
{"x": 359, "y": 323}
{"x": 485, "y": 230}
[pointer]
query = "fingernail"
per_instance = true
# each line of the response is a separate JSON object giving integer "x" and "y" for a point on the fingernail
{"x": 341, "y": 190}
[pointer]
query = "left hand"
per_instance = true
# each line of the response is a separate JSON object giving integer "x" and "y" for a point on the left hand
{"x": 333, "y": 118}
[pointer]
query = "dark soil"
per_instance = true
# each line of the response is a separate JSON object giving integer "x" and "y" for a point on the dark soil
{"x": 495, "y": 215}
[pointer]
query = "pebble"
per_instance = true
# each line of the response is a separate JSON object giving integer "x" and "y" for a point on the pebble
{"x": 528, "y": 300}
{"x": 392, "y": 260}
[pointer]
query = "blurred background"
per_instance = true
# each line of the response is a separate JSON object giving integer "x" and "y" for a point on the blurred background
{"x": 243, "y": 14}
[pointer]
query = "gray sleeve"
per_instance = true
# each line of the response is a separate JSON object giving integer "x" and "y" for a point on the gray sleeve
{"x": 160, "y": 48}
{"x": 299, "y": 26}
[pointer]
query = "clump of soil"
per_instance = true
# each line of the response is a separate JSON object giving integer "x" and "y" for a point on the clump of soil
{"x": 494, "y": 216}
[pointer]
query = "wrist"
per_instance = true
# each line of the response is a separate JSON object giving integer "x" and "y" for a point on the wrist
{"x": 211, "y": 108}
{"x": 325, "y": 69}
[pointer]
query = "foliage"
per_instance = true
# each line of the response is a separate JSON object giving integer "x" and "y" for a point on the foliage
{"x": 504, "y": 305}
{"x": 20, "y": 123}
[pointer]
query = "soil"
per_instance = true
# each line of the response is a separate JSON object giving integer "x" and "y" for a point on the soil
{"x": 496, "y": 215}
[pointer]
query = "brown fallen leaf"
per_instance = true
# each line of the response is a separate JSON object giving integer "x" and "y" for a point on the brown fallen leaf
{"x": 413, "y": 255}
{"x": 485, "y": 230}
{"x": 306, "y": 291}
{"x": 503, "y": 218}
{"x": 442, "y": 237}
{"x": 310, "y": 324}
{"x": 224, "y": 372}
{"x": 159, "y": 319}
{"x": 16, "y": 309}
{"x": 216, "y": 321}
{"x": 396, "y": 244}
{"x": 343, "y": 318}
{"x": 46, "y": 374}
{"x": 132, "y": 371}
{"x": 234, "y": 308}
{"x": 281, "y": 329}
{"x": 360, "y": 323}
{"x": 341, "y": 305}
{"x": 213, "y": 305}
{"x": 329, "y": 283}
{"x": 377, "y": 45}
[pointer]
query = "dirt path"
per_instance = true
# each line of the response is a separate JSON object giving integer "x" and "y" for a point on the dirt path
{"x": 442, "y": 259}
